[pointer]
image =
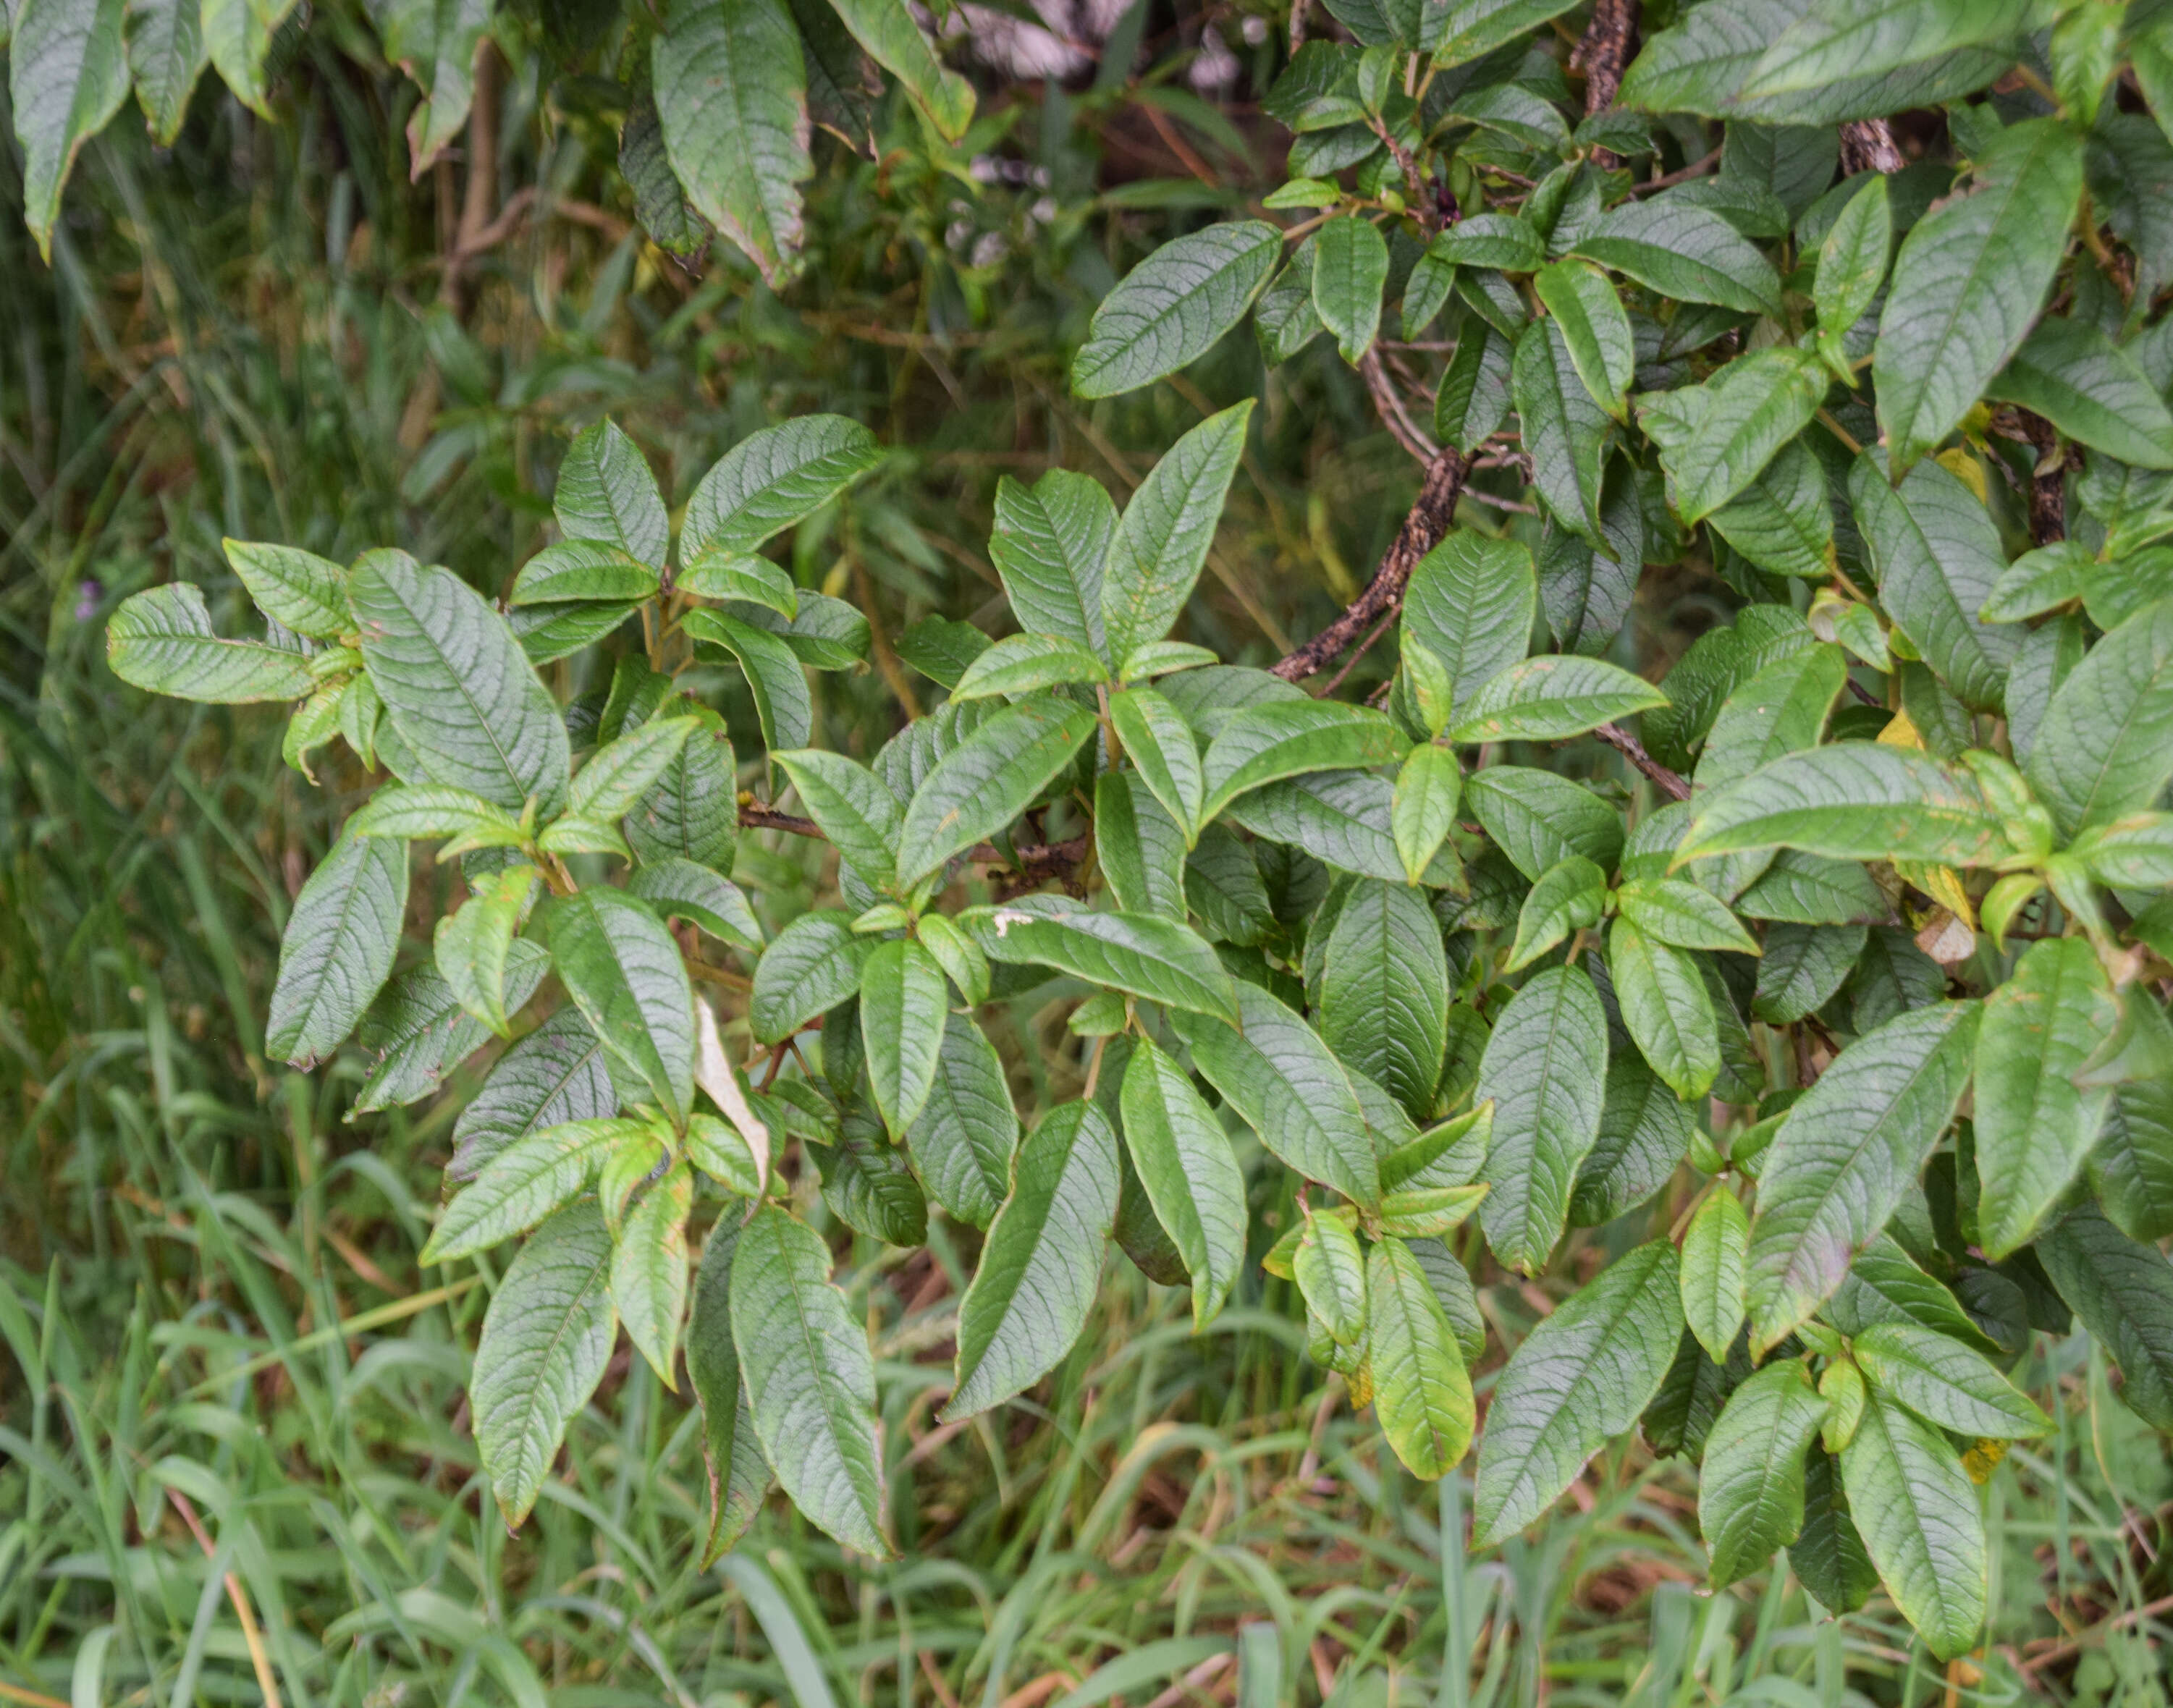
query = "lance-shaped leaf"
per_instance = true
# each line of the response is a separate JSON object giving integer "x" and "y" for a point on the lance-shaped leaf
{"x": 1684, "y": 252}
{"x": 1330, "y": 1267}
{"x": 555, "y": 1074}
{"x": 1265, "y": 743}
{"x": 297, "y": 590}
{"x": 166, "y": 56}
{"x": 546, "y": 1339}
{"x": 1945, "y": 1383}
{"x": 1719, "y": 437}
{"x": 1782, "y": 521}
{"x": 1190, "y": 1172}
{"x": 1160, "y": 744}
{"x": 962, "y": 1142}
{"x": 649, "y": 1270}
{"x": 854, "y": 807}
{"x": 676, "y": 888}
{"x": 1139, "y": 846}
{"x": 2091, "y": 389}
{"x": 691, "y": 811}
{"x": 1751, "y": 1483}
{"x": 893, "y": 40}
{"x": 1539, "y": 819}
{"x": 739, "y": 1478}
{"x": 1041, "y": 1265}
{"x": 606, "y": 492}
{"x": 1595, "y": 328}
{"x": 2035, "y": 1126}
{"x": 1422, "y": 812}
{"x": 730, "y": 86}
{"x": 988, "y": 780}
{"x": 162, "y": 639}
{"x": 1422, "y": 1392}
{"x": 1716, "y": 1247}
{"x": 1921, "y": 1524}
{"x": 1474, "y": 397}
{"x": 772, "y": 479}
{"x": 1349, "y": 272}
{"x": 1853, "y": 800}
{"x": 1853, "y": 258}
{"x": 1644, "y": 1128}
{"x": 1050, "y": 542}
{"x": 337, "y": 949}
{"x": 576, "y": 570}
{"x": 1582, "y": 1375}
{"x": 1545, "y": 1071}
{"x": 1384, "y": 991}
{"x": 1471, "y": 603}
{"x": 2106, "y": 746}
{"x": 471, "y": 945}
{"x": 1970, "y": 279}
{"x": 621, "y": 772}
{"x": 1175, "y": 306}
{"x": 1815, "y": 70}
{"x": 2122, "y": 1290}
{"x": 1565, "y": 430}
{"x": 456, "y": 686}
{"x": 1277, "y": 1074}
{"x": 903, "y": 1007}
{"x": 1569, "y": 895}
{"x": 1804, "y": 966}
{"x": 773, "y": 671}
{"x": 811, "y": 966}
{"x": 1670, "y": 911}
{"x": 1845, "y": 1154}
{"x": 1470, "y": 28}
{"x": 70, "y": 74}
{"x": 1782, "y": 709}
{"x": 1021, "y": 664}
{"x": 1162, "y": 540}
{"x": 625, "y": 971}
{"x": 810, "y": 1376}
{"x": 525, "y": 1183}
{"x": 1550, "y": 700}
{"x": 1143, "y": 953}
{"x": 1666, "y": 1008}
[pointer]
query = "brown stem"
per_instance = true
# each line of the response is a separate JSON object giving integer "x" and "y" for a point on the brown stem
{"x": 1422, "y": 530}
{"x": 1867, "y": 145}
{"x": 1037, "y": 861}
{"x": 2048, "y": 482}
{"x": 1631, "y": 748}
{"x": 1601, "y": 55}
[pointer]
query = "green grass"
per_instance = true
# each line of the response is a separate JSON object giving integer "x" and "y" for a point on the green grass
{"x": 234, "y": 1455}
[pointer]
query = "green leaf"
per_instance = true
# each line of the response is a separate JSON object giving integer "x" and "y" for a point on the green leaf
{"x": 1816, "y": 71}
{"x": 649, "y": 1270}
{"x": 579, "y": 570}
{"x": 2106, "y": 746}
{"x": 1289, "y": 1089}
{"x": 2089, "y": 388}
{"x": 1853, "y": 258}
{"x": 1041, "y": 1267}
{"x": 1804, "y": 966}
{"x": 1811, "y": 890}
{"x": 606, "y": 492}
{"x": 1160, "y": 744}
{"x": 337, "y": 949}
{"x": 1330, "y": 1271}
{"x": 624, "y": 970}
{"x": 1782, "y": 520}
{"x": 1341, "y": 818}
{"x": 903, "y": 1001}
{"x": 888, "y": 31}
{"x": 69, "y": 74}
{"x": 1970, "y": 279}
{"x": 1473, "y": 398}
{"x": 1265, "y": 743}
{"x": 1569, "y": 895}
{"x": 1829, "y": 1558}
{"x": 1669, "y": 911}
{"x": 1349, "y": 270}
{"x": 420, "y": 1033}
{"x": 729, "y": 574}
{"x": 456, "y": 686}
{"x": 810, "y": 1379}
{"x": 1162, "y": 540}
{"x": 1666, "y": 1009}
{"x": 1021, "y": 664}
{"x": 1595, "y": 328}
{"x": 1921, "y": 1523}
{"x": 772, "y": 479}
{"x": 1716, "y": 1250}
{"x": 297, "y": 590}
{"x": 1175, "y": 306}
{"x": 2122, "y": 1290}
{"x": 739, "y": 1479}
{"x": 1423, "y": 809}
{"x": 2035, "y": 1126}
{"x": 1538, "y": 819}
{"x": 546, "y": 1339}
{"x": 1751, "y": 1483}
{"x": 1143, "y": 954}
{"x": 1844, "y": 1155}
{"x": 1384, "y": 991}
{"x": 621, "y": 772}
{"x": 988, "y": 780}
{"x": 166, "y": 56}
{"x": 2130, "y": 1172}
{"x": 811, "y": 966}
{"x": 471, "y": 945}
{"x": 1190, "y": 1174}
{"x": 1945, "y": 1383}
{"x": 1050, "y": 543}
{"x": 1139, "y": 846}
{"x": 1686, "y": 253}
{"x": 854, "y": 807}
{"x": 869, "y": 1186}
{"x": 1782, "y": 709}
{"x": 435, "y": 42}
{"x": 772, "y": 673}
{"x": 691, "y": 811}
{"x": 1551, "y": 698}
{"x": 1470, "y": 603}
{"x": 1854, "y": 801}
{"x": 1582, "y": 1375}
{"x": 1937, "y": 557}
{"x": 1565, "y": 432}
{"x": 1731, "y": 428}
{"x": 963, "y": 1140}
{"x": 1475, "y": 27}
{"x": 1545, "y": 1070}
{"x": 162, "y": 639}
{"x": 1421, "y": 1392}
{"x": 1698, "y": 64}
{"x": 730, "y": 86}
{"x": 683, "y": 889}
{"x": 1644, "y": 1128}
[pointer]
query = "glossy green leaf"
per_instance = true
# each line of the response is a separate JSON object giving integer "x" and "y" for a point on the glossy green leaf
{"x": 2122, "y": 1290}
{"x": 1715, "y": 1254}
{"x": 1473, "y": 398}
{"x": 577, "y": 570}
{"x": 471, "y": 946}
{"x": 1143, "y": 954}
{"x": 1670, "y": 911}
{"x": 69, "y": 75}
{"x": 606, "y": 492}
{"x": 854, "y": 808}
{"x": 1471, "y": 27}
{"x": 1051, "y": 542}
{"x": 1565, "y": 432}
{"x": 1022, "y": 664}
{"x": 2091, "y": 389}
{"x": 1853, "y": 256}
{"x": 166, "y": 56}
{"x": 739, "y": 1478}
{"x": 1782, "y": 709}
{"x": 1384, "y": 991}
{"x": 1539, "y": 819}
{"x": 649, "y": 1270}
{"x": 1803, "y": 967}
{"x": 1851, "y": 802}
{"x": 1644, "y": 1129}
{"x": 1545, "y": 1072}
{"x": 988, "y": 780}
{"x": 903, "y": 1001}
{"x": 1666, "y": 1009}
{"x": 1422, "y": 812}
{"x": 1471, "y": 603}
{"x": 1945, "y": 1383}
{"x": 1329, "y": 1269}
{"x": 1595, "y": 328}
{"x": 1751, "y": 1483}
{"x": 1569, "y": 895}
{"x": 1684, "y": 252}
{"x": 811, "y": 966}
{"x": 887, "y": 29}
{"x": 1349, "y": 270}
{"x": 1716, "y": 439}
{"x": 1265, "y": 743}
{"x": 773, "y": 479}
{"x": 2106, "y": 746}
{"x": 963, "y": 1142}
{"x": 1160, "y": 745}
{"x": 296, "y": 590}
{"x": 1551, "y": 699}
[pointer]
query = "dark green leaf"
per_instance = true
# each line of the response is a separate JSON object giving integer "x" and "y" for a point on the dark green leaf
{"x": 1175, "y": 305}
{"x": 1545, "y": 1072}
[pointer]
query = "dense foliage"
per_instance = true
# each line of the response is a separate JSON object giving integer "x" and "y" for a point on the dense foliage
{"x": 1834, "y": 993}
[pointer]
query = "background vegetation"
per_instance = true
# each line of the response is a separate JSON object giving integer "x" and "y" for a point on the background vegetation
{"x": 233, "y": 1464}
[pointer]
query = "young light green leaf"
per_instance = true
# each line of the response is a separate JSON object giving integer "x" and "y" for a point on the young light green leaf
{"x": 730, "y": 86}
{"x": 1716, "y": 1250}
{"x": 1666, "y": 1008}
{"x": 1751, "y": 1483}
{"x": 546, "y": 1339}
{"x": 1021, "y": 664}
{"x": 1565, "y": 432}
{"x": 903, "y": 1001}
{"x": 1349, "y": 270}
{"x": 773, "y": 670}
{"x": 1050, "y": 542}
{"x": 1853, "y": 258}
{"x": 1175, "y": 306}
{"x": 988, "y": 780}
{"x": 854, "y": 807}
{"x": 606, "y": 492}
{"x": 621, "y": 772}
{"x": 1688, "y": 253}
{"x": 1921, "y": 1524}
{"x": 337, "y": 949}
{"x": 1853, "y": 801}
{"x": 649, "y": 1270}
{"x": 1143, "y": 953}
{"x": 1162, "y": 539}
{"x": 578, "y": 570}
{"x": 1330, "y": 1271}
{"x": 1845, "y": 1154}
{"x": 1551, "y": 699}
{"x": 624, "y": 970}
{"x": 1384, "y": 991}
{"x": 1160, "y": 743}
{"x": 1423, "y": 809}
{"x": 1190, "y": 1172}
{"x": 1422, "y": 1392}
{"x": 1569, "y": 895}
{"x": 1945, "y": 1383}
{"x": 1041, "y": 1267}
{"x": 1782, "y": 709}
{"x": 962, "y": 1142}
{"x": 1545, "y": 1070}
{"x": 1969, "y": 280}
{"x": 1595, "y": 328}
{"x": 2035, "y": 1126}
{"x": 2106, "y": 746}
{"x": 162, "y": 639}
{"x": 1670, "y": 911}
{"x": 810, "y": 1379}
{"x": 1582, "y": 1375}
{"x": 739, "y": 1478}
{"x": 471, "y": 945}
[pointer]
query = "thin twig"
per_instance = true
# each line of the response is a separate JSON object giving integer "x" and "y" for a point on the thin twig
{"x": 1631, "y": 748}
{"x": 240, "y": 1596}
